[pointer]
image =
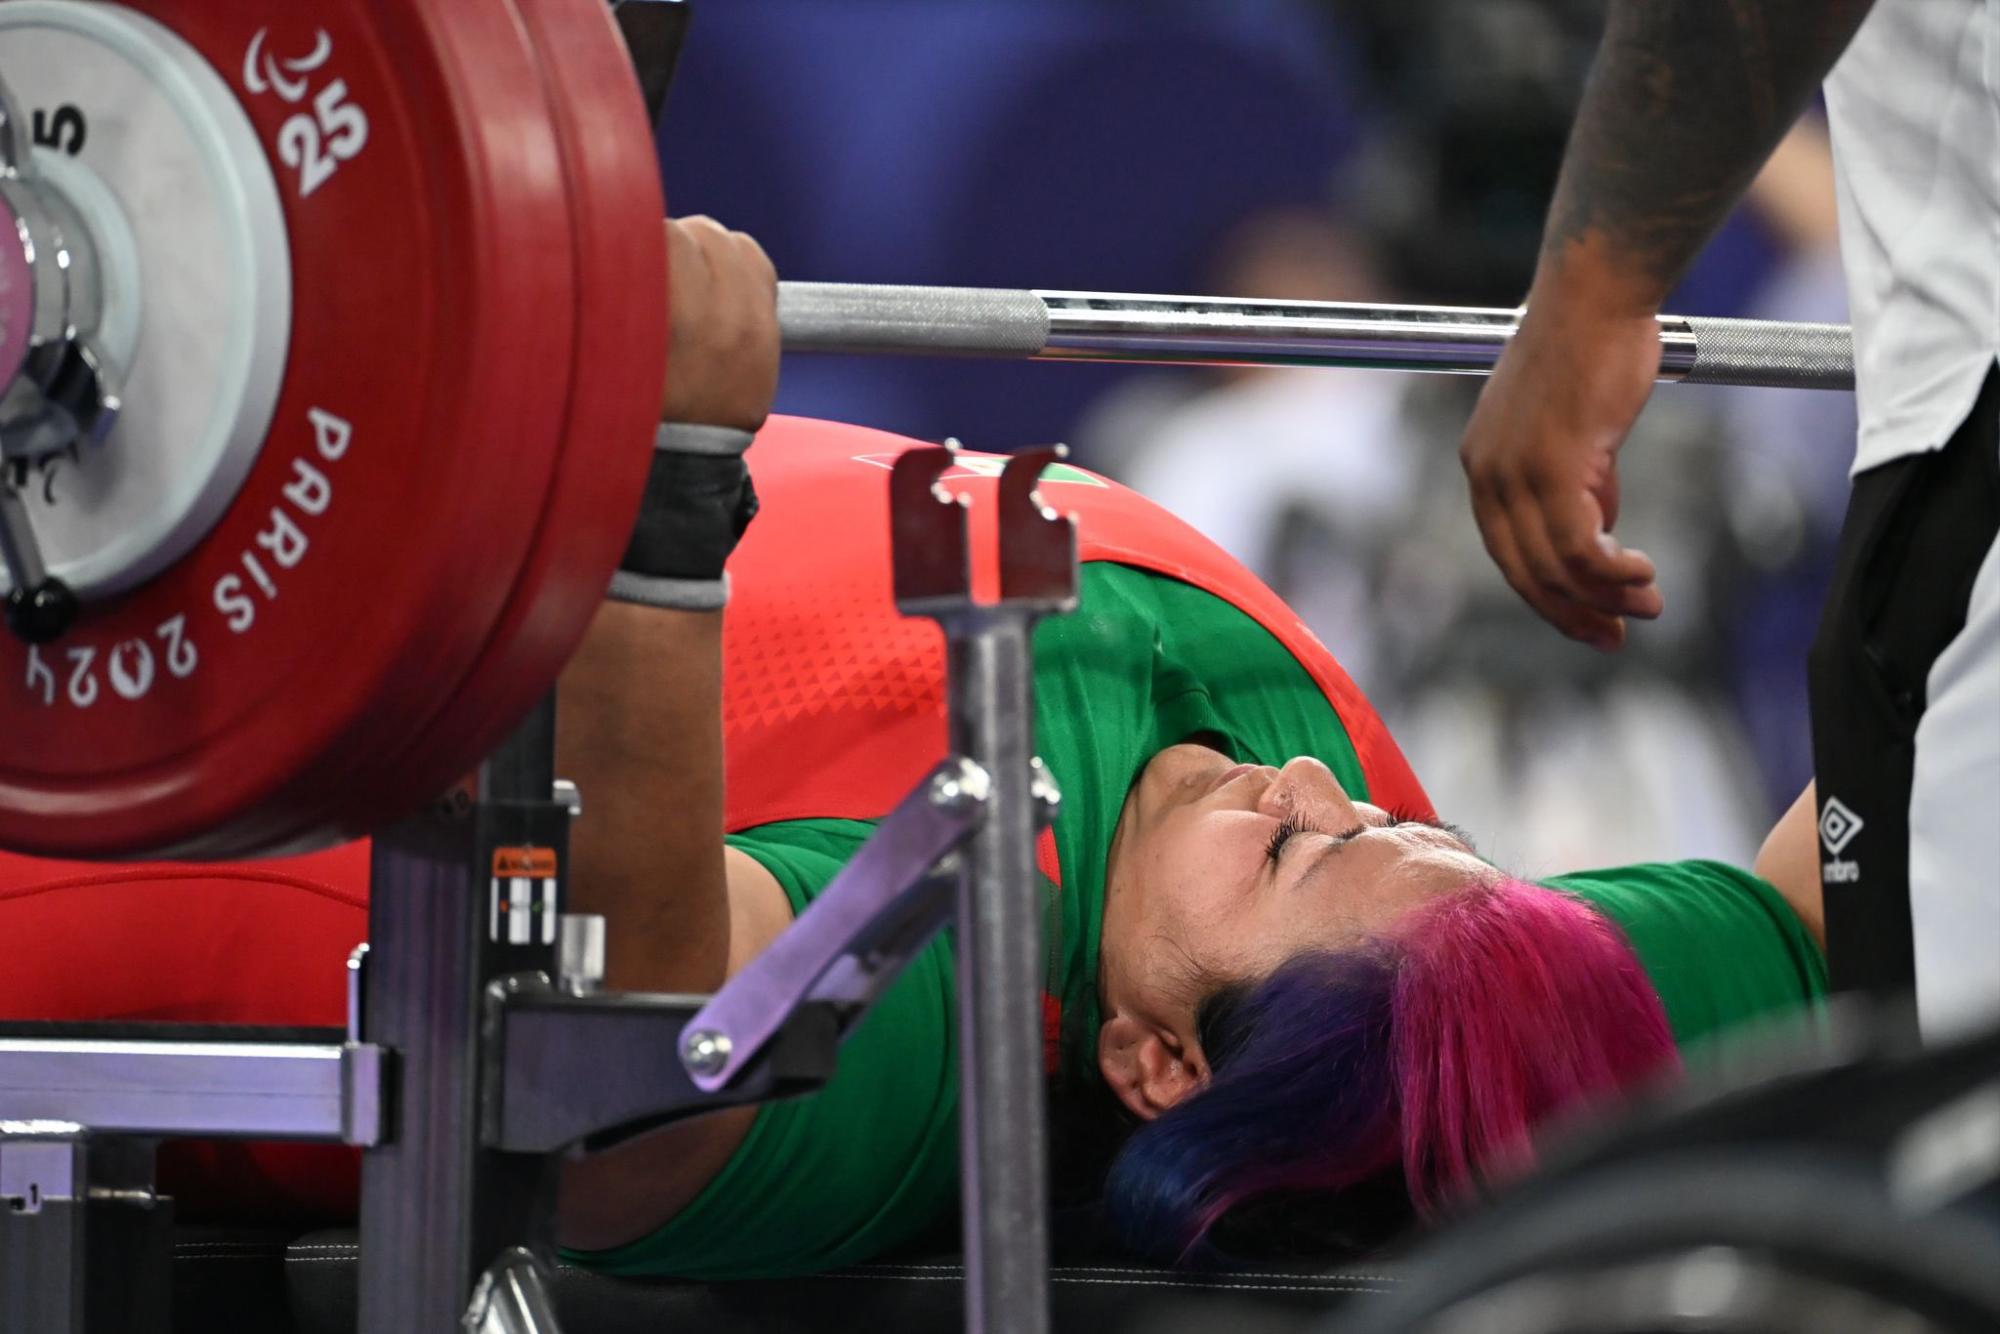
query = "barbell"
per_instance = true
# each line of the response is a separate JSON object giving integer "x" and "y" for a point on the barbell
{"x": 333, "y": 339}
{"x": 1230, "y": 331}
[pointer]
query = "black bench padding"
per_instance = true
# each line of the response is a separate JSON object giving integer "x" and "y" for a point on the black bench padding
{"x": 227, "y": 1282}
{"x": 231, "y": 1279}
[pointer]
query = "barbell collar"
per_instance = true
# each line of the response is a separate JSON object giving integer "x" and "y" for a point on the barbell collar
{"x": 1103, "y": 326}
{"x": 56, "y": 387}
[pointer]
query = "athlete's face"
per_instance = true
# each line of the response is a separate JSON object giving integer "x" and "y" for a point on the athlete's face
{"x": 1221, "y": 871}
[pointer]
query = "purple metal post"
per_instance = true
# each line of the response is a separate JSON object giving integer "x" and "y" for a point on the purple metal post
{"x": 1002, "y": 1098}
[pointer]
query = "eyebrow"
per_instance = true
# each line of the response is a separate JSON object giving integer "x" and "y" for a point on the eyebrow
{"x": 1334, "y": 849}
{"x": 1447, "y": 827}
{"x": 1320, "y": 859}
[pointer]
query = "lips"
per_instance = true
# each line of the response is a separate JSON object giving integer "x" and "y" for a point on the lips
{"x": 1229, "y": 775}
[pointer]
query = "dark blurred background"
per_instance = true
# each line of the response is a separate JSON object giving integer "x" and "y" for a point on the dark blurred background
{"x": 1327, "y": 149}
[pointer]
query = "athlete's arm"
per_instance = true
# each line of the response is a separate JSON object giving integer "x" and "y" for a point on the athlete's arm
{"x": 639, "y": 709}
{"x": 639, "y": 730}
{"x": 1789, "y": 860}
{"x": 1685, "y": 101}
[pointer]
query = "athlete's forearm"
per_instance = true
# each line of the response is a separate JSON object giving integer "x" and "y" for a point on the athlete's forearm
{"x": 1685, "y": 101}
{"x": 639, "y": 730}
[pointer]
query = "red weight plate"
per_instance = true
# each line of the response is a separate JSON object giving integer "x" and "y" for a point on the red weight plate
{"x": 615, "y": 387}
{"x": 371, "y": 552}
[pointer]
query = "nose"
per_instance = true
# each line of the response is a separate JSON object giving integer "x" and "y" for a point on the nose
{"x": 1307, "y": 791}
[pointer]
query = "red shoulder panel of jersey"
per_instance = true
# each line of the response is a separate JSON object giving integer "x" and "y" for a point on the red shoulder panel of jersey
{"x": 243, "y": 943}
{"x": 833, "y": 703}
{"x": 251, "y": 943}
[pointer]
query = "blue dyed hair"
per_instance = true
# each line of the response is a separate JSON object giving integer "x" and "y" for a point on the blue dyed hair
{"x": 1297, "y": 1062}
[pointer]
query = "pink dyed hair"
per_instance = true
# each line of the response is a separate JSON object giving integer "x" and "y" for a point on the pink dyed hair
{"x": 1514, "y": 1005}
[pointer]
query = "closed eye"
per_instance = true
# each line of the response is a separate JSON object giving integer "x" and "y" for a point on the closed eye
{"x": 1288, "y": 828}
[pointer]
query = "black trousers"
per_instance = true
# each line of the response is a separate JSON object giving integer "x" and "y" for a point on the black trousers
{"x": 1917, "y": 530}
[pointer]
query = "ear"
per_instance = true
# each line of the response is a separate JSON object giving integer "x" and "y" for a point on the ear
{"x": 1147, "y": 1066}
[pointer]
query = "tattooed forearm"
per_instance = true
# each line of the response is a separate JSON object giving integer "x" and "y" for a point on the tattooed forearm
{"x": 1685, "y": 101}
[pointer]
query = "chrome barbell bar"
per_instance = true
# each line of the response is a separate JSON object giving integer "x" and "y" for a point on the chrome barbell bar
{"x": 887, "y": 320}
